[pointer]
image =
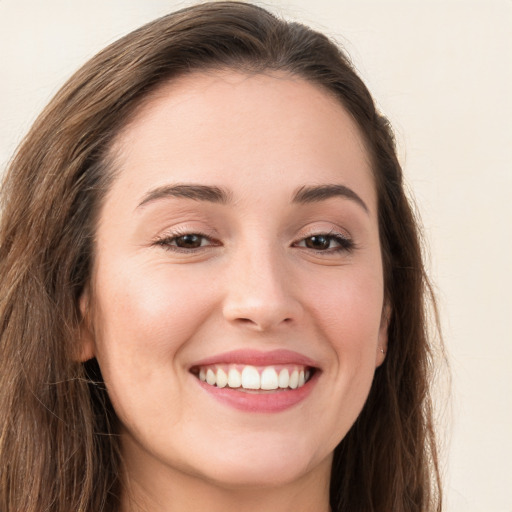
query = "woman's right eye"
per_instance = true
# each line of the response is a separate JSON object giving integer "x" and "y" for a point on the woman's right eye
{"x": 187, "y": 241}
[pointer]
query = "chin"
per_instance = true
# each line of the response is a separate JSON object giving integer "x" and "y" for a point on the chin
{"x": 266, "y": 463}
{"x": 257, "y": 474}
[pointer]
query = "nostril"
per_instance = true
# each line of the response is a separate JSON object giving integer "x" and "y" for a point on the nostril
{"x": 262, "y": 323}
{"x": 260, "y": 314}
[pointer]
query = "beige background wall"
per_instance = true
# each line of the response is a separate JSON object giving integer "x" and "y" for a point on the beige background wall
{"x": 442, "y": 71}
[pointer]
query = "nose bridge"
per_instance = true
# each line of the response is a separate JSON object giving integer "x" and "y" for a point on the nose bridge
{"x": 259, "y": 293}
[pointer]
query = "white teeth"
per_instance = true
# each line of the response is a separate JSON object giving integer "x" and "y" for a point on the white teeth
{"x": 284, "y": 378}
{"x": 269, "y": 379}
{"x": 222, "y": 378}
{"x": 234, "y": 378}
{"x": 294, "y": 379}
{"x": 250, "y": 378}
{"x": 210, "y": 377}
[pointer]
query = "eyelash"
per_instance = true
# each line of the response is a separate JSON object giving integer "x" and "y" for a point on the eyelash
{"x": 345, "y": 244}
{"x": 168, "y": 242}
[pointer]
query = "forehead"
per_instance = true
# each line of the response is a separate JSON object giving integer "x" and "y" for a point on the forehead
{"x": 249, "y": 130}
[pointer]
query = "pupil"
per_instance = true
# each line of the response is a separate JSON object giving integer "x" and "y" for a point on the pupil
{"x": 188, "y": 241}
{"x": 317, "y": 242}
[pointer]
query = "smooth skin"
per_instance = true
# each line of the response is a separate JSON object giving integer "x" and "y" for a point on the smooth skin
{"x": 179, "y": 279}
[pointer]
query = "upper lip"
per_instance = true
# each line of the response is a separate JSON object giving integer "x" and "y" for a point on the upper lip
{"x": 258, "y": 358}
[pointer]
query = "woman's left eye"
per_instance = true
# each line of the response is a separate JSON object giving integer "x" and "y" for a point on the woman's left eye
{"x": 326, "y": 242}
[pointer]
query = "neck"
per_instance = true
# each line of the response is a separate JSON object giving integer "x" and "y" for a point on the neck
{"x": 175, "y": 491}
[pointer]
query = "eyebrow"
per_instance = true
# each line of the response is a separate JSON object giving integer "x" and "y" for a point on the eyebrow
{"x": 213, "y": 194}
{"x": 313, "y": 194}
{"x": 208, "y": 193}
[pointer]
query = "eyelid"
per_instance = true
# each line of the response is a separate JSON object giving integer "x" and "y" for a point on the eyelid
{"x": 163, "y": 240}
{"x": 325, "y": 231}
{"x": 345, "y": 241}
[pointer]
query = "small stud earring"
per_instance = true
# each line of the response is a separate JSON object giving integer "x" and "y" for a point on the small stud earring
{"x": 382, "y": 350}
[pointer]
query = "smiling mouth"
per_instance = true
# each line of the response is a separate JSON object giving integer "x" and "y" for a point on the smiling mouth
{"x": 248, "y": 378}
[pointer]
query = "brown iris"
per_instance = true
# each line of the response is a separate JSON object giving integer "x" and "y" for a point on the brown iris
{"x": 189, "y": 241}
{"x": 318, "y": 242}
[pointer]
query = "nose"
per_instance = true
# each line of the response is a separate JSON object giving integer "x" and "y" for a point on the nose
{"x": 260, "y": 292}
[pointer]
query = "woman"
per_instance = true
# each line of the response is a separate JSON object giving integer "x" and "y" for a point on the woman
{"x": 212, "y": 285}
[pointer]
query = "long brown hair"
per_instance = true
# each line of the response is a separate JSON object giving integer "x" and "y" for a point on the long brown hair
{"x": 58, "y": 446}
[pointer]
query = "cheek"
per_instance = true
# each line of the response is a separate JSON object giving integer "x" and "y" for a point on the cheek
{"x": 144, "y": 307}
{"x": 348, "y": 314}
{"x": 349, "y": 319}
{"x": 348, "y": 308}
{"x": 144, "y": 316}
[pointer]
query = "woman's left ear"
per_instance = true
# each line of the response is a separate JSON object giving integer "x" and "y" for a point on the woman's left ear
{"x": 382, "y": 346}
{"x": 86, "y": 349}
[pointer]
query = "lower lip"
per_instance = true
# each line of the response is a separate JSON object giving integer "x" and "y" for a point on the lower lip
{"x": 261, "y": 402}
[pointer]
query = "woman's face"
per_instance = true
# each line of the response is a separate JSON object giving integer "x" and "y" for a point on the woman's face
{"x": 237, "y": 250}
